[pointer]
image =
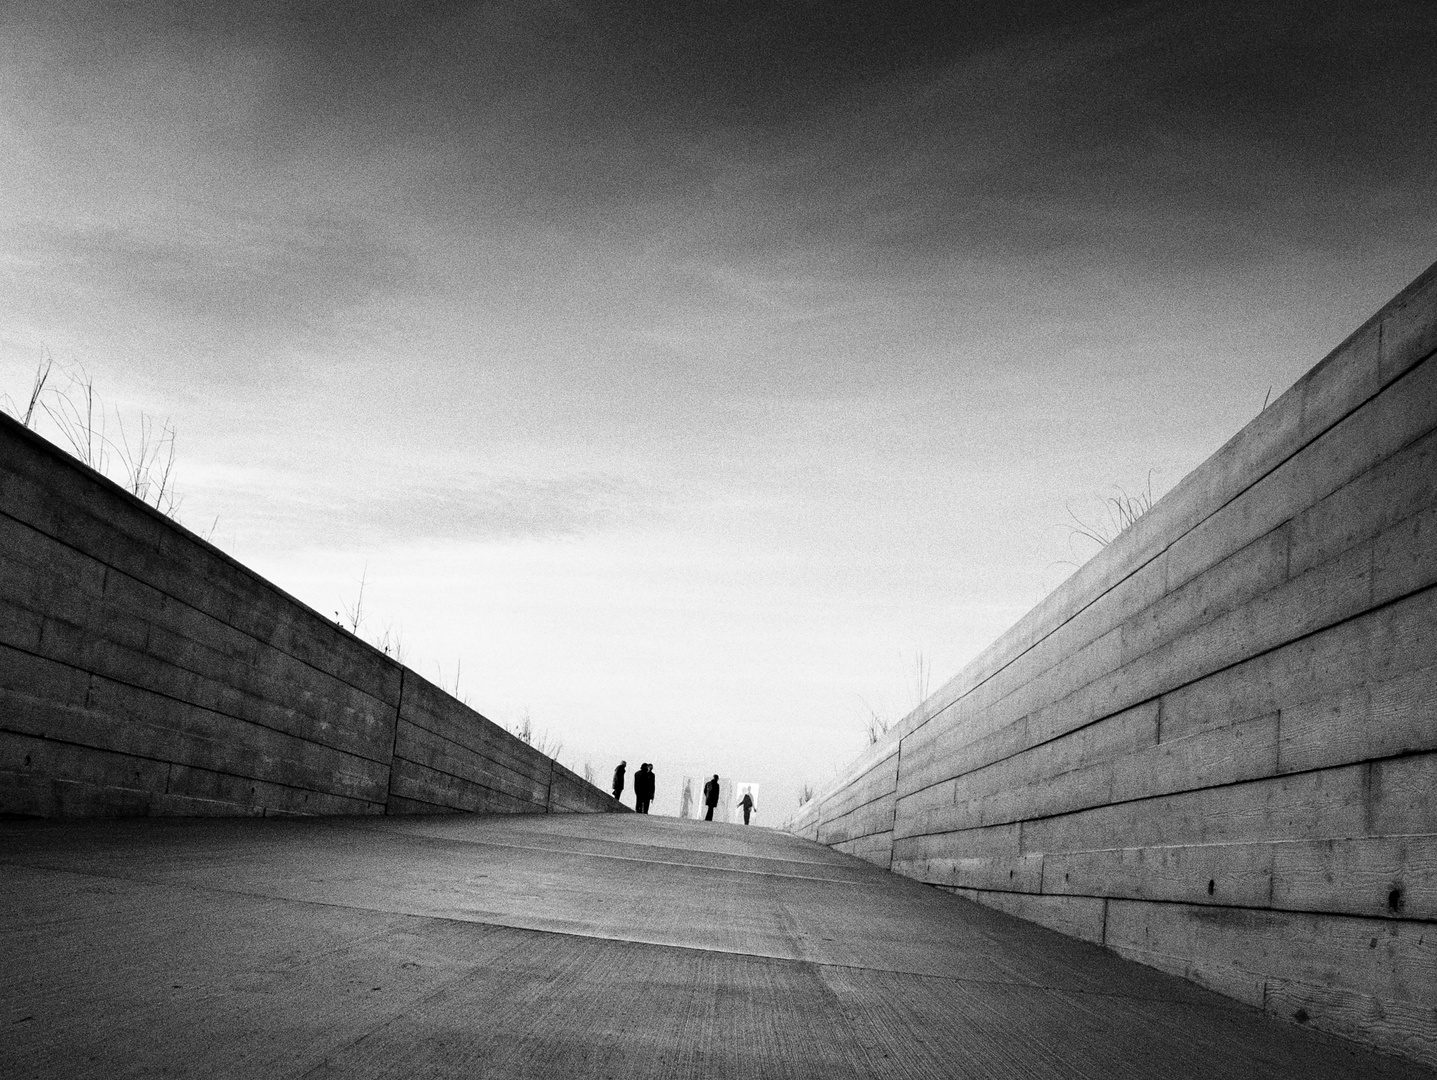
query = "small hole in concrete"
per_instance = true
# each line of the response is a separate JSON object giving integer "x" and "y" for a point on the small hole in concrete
{"x": 1395, "y": 900}
{"x": 1300, "y": 1016}
{"x": 1211, "y": 885}
{"x": 27, "y": 760}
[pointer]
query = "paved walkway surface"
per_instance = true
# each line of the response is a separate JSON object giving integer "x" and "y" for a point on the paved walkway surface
{"x": 574, "y": 946}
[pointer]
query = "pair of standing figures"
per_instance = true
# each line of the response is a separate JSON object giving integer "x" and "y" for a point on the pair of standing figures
{"x": 643, "y": 785}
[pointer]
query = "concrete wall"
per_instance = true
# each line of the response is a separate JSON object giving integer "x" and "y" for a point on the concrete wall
{"x": 1212, "y": 749}
{"x": 142, "y": 671}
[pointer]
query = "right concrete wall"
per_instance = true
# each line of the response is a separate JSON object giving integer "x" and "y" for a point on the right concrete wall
{"x": 1212, "y": 749}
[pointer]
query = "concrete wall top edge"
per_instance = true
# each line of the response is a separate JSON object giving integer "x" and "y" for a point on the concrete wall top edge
{"x": 12, "y": 428}
{"x": 1359, "y": 367}
{"x": 158, "y": 538}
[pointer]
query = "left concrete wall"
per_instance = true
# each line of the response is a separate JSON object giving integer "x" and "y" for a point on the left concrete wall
{"x": 143, "y": 671}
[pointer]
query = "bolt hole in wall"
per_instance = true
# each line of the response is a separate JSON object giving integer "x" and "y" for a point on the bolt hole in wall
{"x": 1395, "y": 901}
{"x": 1211, "y": 885}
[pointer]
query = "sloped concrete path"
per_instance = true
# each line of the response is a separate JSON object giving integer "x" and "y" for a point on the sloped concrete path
{"x": 575, "y": 946}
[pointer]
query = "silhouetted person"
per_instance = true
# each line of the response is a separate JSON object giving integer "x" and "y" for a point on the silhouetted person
{"x": 711, "y": 797}
{"x": 619, "y": 778}
{"x": 748, "y": 807}
{"x": 644, "y": 787}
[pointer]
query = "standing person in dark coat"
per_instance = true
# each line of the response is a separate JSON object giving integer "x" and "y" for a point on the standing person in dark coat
{"x": 711, "y": 797}
{"x": 748, "y": 807}
{"x": 644, "y": 787}
{"x": 619, "y": 778}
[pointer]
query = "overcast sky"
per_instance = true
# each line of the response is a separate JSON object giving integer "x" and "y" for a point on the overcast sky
{"x": 681, "y": 373}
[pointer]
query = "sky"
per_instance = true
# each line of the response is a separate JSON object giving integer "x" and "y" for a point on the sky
{"x": 697, "y": 379}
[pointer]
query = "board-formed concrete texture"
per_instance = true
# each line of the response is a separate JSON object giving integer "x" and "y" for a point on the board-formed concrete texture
{"x": 144, "y": 672}
{"x": 1212, "y": 749}
{"x": 594, "y": 945}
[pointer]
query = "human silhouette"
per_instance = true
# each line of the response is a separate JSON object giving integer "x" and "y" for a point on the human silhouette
{"x": 748, "y": 807}
{"x": 619, "y": 778}
{"x": 644, "y": 787}
{"x": 711, "y": 797}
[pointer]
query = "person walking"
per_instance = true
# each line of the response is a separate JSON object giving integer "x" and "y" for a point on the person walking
{"x": 748, "y": 806}
{"x": 619, "y": 778}
{"x": 711, "y": 792}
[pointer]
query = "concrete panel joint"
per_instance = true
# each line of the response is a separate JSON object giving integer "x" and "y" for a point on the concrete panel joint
{"x": 143, "y": 671}
{"x": 1269, "y": 829}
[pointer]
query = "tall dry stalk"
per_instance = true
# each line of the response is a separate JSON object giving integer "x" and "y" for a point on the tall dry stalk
{"x": 77, "y": 421}
{"x": 922, "y": 672}
{"x": 547, "y": 744}
{"x": 146, "y": 458}
{"x": 1119, "y": 512}
{"x": 353, "y": 617}
{"x": 149, "y": 463}
{"x": 875, "y": 726}
{"x": 37, "y": 387}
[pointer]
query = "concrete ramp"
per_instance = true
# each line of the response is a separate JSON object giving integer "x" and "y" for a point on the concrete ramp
{"x": 566, "y": 946}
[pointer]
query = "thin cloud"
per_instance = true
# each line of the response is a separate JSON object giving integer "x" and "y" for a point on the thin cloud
{"x": 302, "y": 510}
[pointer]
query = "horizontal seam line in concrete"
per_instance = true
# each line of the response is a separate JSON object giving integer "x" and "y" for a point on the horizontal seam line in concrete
{"x": 841, "y": 784}
{"x": 1172, "y": 689}
{"x": 188, "y": 765}
{"x": 834, "y": 822}
{"x": 552, "y": 819}
{"x": 467, "y": 781}
{"x": 600, "y": 937}
{"x": 866, "y": 802}
{"x": 1018, "y": 656}
{"x": 217, "y": 620}
{"x": 192, "y": 704}
{"x": 457, "y": 776}
{"x": 1196, "y": 625}
{"x": 404, "y": 719}
{"x": 357, "y": 799}
{"x": 620, "y": 858}
{"x": 66, "y": 459}
{"x": 1182, "y": 845}
{"x": 1326, "y": 913}
{"x": 1277, "y": 465}
{"x": 1187, "y": 791}
{"x": 858, "y": 836}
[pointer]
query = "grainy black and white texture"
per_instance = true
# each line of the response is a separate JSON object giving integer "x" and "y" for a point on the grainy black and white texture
{"x": 1214, "y": 749}
{"x": 731, "y": 353}
{"x": 584, "y": 945}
